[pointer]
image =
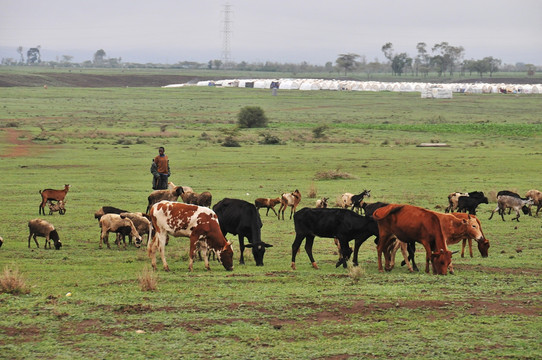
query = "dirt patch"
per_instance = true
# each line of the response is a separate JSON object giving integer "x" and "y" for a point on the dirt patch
{"x": 20, "y": 143}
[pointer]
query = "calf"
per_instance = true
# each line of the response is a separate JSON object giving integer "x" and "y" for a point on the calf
{"x": 512, "y": 202}
{"x": 198, "y": 223}
{"x": 470, "y": 203}
{"x": 267, "y": 203}
{"x": 120, "y": 225}
{"x": 289, "y": 199}
{"x": 241, "y": 218}
{"x": 39, "y": 227}
{"x": 341, "y": 224}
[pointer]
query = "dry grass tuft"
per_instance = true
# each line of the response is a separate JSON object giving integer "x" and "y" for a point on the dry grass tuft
{"x": 333, "y": 175}
{"x": 312, "y": 191}
{"x": 148, "y": 280}
{"x": 12, "y": 282}
{"x": 355, "y": 272}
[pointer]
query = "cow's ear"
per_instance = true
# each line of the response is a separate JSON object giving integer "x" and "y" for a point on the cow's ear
{"x": 267, "y": 245}
{"x": 249, "y": 245}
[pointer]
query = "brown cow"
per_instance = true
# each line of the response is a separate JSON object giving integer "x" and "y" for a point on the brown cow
{"x": 454, "y": 231}
{"x": 198, "y": 223}
{"x": 413, "y": 224}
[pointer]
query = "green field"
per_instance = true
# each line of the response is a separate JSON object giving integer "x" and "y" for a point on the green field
{"x": 101, "y": 142}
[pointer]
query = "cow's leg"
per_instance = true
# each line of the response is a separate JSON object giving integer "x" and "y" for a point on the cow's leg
{"x": 295, "y": 248}
{"x": 404, "y": 251}
{"x": 204, "y": 249}
{"x": 151, "y": 250}
{"x": 308, "y": 249}
{"x": 241, "y": 249}
{"x": 383, "y": 244}
{"x": 470, "y": 247}
{"x": 427, "y": 256}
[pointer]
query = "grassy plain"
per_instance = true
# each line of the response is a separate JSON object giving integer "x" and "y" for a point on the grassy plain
{"x": 101, "y": 141}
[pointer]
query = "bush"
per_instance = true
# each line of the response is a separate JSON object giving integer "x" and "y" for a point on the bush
{"x": 231, "y": 142}
{"x": 251, "y": 117}
{"x": 148, "y": 280}
{"x": 12, "y": 282}
{"x": 269, "y": 139}
{"x": 319, "y": 131}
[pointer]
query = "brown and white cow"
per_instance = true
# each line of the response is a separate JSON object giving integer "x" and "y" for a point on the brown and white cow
{"x": 198, "y": 223}
{"x": 412, "y": 224}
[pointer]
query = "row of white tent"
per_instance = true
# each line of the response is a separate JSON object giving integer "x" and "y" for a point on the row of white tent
{"x": 351, "y": 85}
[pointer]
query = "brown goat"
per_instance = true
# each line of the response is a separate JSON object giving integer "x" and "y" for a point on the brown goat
{"x": 289, "y": 199}
{"x": 267, "y": 203}
{"x": 50, "y": 194}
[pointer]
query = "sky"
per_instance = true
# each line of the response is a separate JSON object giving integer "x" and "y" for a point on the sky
{"x": 284, "y": 31}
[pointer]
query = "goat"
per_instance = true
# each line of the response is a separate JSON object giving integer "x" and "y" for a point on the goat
{"x": 1, "y": 241}
{"x": 39, "y": 227}
{"x": 117, "y": 224}
{"x": 512, "y": 202}
{"x": 50, "y": 194}
{"x": 322, "y": 203}
{"x": 159, "y": 195}
{"x": 354, "y": 201}
{"x": 203, "y": 199}
{"x": 267, "y": 203}
{"x": 289, "y": 199}
{"x": 141, "y": 222}
{"x": 60, "y": 206}
{"x": 107, "y": 210}
{"x": 537, "y": 200}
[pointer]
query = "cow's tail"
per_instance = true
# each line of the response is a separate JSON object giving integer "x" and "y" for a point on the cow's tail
{"x": 382, "y": 212}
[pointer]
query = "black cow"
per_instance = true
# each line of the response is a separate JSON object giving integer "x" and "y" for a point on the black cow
{"x": 470, "y": 203}
{"x": 341, "y": 224}
{"x": 240, "y": 217}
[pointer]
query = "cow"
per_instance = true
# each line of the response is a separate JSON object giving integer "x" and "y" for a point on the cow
{"x": 471, "y": 202}
{"x": 483, "y": 245}
{"x": 452, "y": 201}
{"x": 289, "y": 199}
{"x": 341, "y": 224}
{"x": 454, "y": 231}
{"x": 198, "y": 223}
{"x": 413, "y": 224}
{"x": 239, "y": 217}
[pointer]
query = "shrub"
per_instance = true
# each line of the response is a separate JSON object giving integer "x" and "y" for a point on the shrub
{"x": 231, "y": 142}
{"x": 319, "y": 131}
{"x": 332, "y": 175}
{"x": 148, "y": 280}
{"x": 312, "y": 191}
{"x": 355, "y": 272}
{"x": 12, "y": 282}
{"x": 269, "y": 139}
{"x": 251, "y": 117}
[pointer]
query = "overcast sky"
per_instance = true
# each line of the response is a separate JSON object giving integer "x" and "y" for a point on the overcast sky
{"x": 315, "y": 31}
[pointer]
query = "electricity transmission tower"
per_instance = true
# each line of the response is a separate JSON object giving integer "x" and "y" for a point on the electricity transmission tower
{"x": 226, "y": 35}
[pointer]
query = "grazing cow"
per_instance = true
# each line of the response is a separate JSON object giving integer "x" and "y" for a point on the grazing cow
{"x": 483, "y": 245}
{"x": 512, "y": 202}
{"x": 413, "y": 224}
{"x": 537, "y": 199}
{"x": 198, "y": 223}
{"x": 471, "y": 202}
{"x": 267, "y": 203}
{"x": 239, "y": 217}
{"x": 289, "y": 199}
{"x": 341, "y": 224}
{"x": 454, "y": 231}
{"x": 50, "y": 194}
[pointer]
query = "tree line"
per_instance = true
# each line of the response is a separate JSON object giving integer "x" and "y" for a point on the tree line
{"x": 442, "y": 58}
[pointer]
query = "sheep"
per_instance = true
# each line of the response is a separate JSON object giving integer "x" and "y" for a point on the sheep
{"x": 107, "y": 210}
{"x": 289, "y": 199}
{"x": 507, "y": 201}
{"x": 117, "y": 224}
{"x": 159, "y": 195}
{"x": 537, "y": 199}
{"x": 60, "y": 206}
{"x": 39, "y": 227}
{"x": 267, "y": 203}
{"x": 50, "y": 194}
{"x": 203, "y": 199}
{"x": 141, "y": 222}
{"x": 322, "y": 203}
{"x": 172, "y": 186}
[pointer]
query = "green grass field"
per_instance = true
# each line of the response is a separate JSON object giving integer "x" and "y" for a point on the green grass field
{"x": 101, "y": 142}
